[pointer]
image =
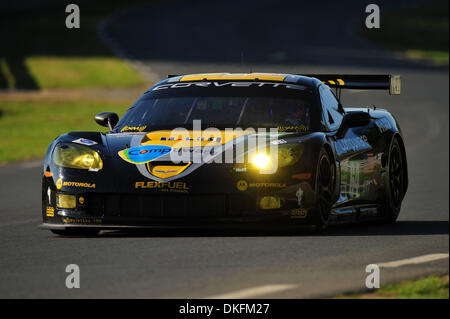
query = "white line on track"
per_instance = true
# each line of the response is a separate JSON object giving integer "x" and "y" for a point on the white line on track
{"x": 253, "y": 292}
{"x": 413, "y": 261}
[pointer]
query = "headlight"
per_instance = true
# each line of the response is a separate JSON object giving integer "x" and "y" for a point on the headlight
{"x": 77, "y": 156}
{"x": 289, "y": 154}
{"x": 261, "y": 160}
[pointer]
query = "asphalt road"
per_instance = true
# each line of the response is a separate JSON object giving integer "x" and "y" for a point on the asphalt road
{"x": 190, "y": 38}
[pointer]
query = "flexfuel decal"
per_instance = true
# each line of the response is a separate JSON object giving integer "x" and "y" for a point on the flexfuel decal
{"x": 144, "y": 154}
{"x": 180, "y": 187}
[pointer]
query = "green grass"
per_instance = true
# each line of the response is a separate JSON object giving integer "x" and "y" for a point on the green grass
{"x": 82, "y": 72}
{"x": 27, "y": 128}
{"x": 439, "y": 57}
{"x": 432, "y": 287}
{"x": 420, "y": 31}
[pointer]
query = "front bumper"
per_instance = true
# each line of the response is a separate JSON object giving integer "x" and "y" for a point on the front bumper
{"x": 266, "y": 222}
{"x": 116, "y": 210}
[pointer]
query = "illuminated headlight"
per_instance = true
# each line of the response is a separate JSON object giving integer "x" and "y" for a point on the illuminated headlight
{"x": 261, "y": 160}
{"x": 289, "y": 154}
{"x": 66, "y": 201}
{"x": 77, "y": 156}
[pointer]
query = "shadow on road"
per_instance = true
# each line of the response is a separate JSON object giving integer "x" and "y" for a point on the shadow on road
{"x": 401, "y": 228}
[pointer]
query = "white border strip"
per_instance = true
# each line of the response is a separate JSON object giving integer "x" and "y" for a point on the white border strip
{"x": 253, "y": 292}
{"x": 414, "y": 260}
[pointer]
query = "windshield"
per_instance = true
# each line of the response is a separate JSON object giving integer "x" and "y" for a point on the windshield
{"x": 232, "y": 110}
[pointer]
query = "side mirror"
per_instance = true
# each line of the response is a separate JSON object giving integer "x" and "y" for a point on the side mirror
{"x": 353, "y": 119}
{"x": 108, "y": 119}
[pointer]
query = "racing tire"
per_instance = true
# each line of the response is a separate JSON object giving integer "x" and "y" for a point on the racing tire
{"x": 76, "y": 232}
{"x": 396, "y": 183}
{"x": 325, "y": 183}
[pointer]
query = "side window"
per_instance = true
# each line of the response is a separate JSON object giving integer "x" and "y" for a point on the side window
{"x": 332, "y": 117}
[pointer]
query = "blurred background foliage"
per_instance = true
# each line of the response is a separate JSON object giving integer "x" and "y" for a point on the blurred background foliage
{"x": 39, "y": 52}
{"x": 74, "y": 75}
{"x": 419, "y": 30}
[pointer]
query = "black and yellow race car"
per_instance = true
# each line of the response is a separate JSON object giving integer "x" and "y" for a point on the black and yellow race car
{"x": 231, "y": 149}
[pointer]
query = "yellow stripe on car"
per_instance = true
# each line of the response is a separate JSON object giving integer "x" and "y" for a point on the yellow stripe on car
{"x": 237, "y": 76}
{"x": 185, "y": 139}
{"x": 192, "y": 138}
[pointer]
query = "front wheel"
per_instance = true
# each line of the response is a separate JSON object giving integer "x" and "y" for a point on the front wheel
{"x": 325, "y": 180}
{"x": 396, "y": 183}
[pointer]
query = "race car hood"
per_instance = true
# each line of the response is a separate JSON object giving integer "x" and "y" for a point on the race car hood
{"x": 140, "y": 162}
{"x": 166, "y": 155}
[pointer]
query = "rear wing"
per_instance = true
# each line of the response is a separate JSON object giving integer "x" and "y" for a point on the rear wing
{"x": 361, "y": 81}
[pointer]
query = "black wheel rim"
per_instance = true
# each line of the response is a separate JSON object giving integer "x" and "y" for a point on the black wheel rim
{"x": 396, "y": 177}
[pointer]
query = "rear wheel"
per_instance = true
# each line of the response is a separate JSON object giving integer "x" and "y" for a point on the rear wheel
{"x": 396, "y": 183}
{"x": 76, "y": 232}
{"x": 325, "y": 180}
